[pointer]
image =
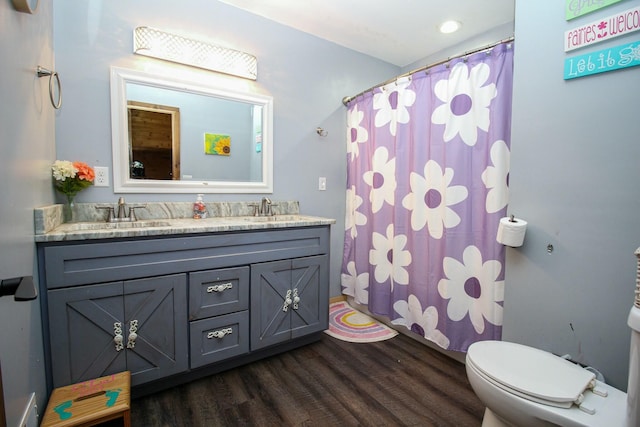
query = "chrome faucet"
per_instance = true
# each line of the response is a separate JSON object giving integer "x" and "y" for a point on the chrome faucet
{"x": 121, "y": 205}
{"x": 265, "y": 207}
{"x": 121, "y": 215}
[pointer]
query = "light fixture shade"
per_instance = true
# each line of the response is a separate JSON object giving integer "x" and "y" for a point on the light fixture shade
{"x": 170, "y": 47}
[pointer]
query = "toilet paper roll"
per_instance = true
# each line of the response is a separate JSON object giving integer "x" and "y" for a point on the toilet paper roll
{"x": 511, "y": 233}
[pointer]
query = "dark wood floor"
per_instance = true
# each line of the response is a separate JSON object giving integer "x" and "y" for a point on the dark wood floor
{"x": 398, "y": 382}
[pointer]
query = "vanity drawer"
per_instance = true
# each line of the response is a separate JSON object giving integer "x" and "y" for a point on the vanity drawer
{"x": 219, "y": 338}
{"x": 216, "y": 292}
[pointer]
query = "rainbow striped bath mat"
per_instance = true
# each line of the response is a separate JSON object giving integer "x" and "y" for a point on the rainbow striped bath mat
{"x": 347, "y": 324}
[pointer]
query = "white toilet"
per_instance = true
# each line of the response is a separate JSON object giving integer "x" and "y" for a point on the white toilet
{"x": 523, "y": 386}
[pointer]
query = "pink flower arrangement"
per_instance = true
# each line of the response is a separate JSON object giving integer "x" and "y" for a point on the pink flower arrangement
{"x": 72, "y": 177}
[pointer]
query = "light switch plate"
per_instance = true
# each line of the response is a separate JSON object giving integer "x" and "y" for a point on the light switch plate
{"x": 322, "y": 183}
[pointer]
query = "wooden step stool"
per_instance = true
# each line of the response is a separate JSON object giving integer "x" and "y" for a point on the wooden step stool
{"x": 91, "y": 402}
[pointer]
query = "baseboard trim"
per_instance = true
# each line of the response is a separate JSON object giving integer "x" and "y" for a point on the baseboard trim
{"x": 339, "y": 298}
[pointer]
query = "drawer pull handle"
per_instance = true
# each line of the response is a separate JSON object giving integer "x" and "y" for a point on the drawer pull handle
{"x": 296, "y": 299}
{"x": 219, "y": 288}
{"x": 287, "y": 301}
{"x": 220, "y": 333}
{"x": 133, "y": 328}
{"x": 117, "y": 336}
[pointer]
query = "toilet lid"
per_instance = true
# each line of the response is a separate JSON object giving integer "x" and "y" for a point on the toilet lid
{"x": 532, "y": 373}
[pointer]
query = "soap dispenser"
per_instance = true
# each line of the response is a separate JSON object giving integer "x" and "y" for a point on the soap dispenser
{"x": 199, "y": 208}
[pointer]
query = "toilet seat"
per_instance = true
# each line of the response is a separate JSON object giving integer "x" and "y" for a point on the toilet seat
{"x": 531, "y": 373}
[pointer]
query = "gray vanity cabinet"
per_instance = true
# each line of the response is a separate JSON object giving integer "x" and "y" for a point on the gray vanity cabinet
{"x": 135, "y": 325}
{"x": 288, "y": 299}
{"x": 195, "y": 304}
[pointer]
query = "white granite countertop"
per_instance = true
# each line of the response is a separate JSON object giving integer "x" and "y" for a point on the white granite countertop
{"x": 160, "y": 219}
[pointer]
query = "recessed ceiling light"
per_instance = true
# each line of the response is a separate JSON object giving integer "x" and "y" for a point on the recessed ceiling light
{"x": 450, "y": 27}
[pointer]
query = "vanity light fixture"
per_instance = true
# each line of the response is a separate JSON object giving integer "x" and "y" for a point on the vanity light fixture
{"x": 170, "y": 47}
{"x": 448, "y": 27}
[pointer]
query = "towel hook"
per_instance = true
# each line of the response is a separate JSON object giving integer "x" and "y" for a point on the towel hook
{"x": 321, "y": 131}
{"x": 42, "y": 72}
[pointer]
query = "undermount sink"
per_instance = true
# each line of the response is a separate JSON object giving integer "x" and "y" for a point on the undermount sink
{"x": 88, "y": 226}
{"x": 276, "y": 218}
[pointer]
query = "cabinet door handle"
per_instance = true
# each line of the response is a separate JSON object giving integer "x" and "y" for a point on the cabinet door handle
{"x": 296, "y": 299}
{"x": 287, "y": 301}
{"x": 117, "y": 336}
{"x": 220, "y": 333}
{"x": 133, "y": 328}
{"x": 219, "y": 288}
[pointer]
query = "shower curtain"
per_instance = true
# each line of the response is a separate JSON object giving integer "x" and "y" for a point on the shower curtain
{"x": 427, "y": 184}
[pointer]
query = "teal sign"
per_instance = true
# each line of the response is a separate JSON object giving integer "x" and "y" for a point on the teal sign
{"x": 575, "y": 8}
{"x": 601, "y": 61}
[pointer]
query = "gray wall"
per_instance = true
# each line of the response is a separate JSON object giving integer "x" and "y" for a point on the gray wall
{"x": 575, "y": 176}
{"x": 26, "y": 151}
{"x": 306, "y": 76}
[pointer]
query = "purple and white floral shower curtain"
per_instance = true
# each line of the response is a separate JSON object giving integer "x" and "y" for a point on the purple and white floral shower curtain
{"x": 427, "y": 184}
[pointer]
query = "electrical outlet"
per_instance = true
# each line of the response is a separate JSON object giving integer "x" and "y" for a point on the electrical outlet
{"x": 102, "y": 176}
{"x": 322, "y": 183}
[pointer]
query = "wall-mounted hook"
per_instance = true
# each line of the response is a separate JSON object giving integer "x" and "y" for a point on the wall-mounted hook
{"x": 26, "y": 6}
{"x": 43, "y": 72}
{"x": 321, "y": 131}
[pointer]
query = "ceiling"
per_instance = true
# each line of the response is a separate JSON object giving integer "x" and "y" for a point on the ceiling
{"x": 400, "y": 32}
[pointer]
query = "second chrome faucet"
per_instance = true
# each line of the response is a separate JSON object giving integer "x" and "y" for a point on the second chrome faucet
{"x": 122, "y": 215}
{"x": 264, "y": 208}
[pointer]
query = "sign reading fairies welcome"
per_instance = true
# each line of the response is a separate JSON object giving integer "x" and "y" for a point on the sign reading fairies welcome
{"x": 603, "y": 29}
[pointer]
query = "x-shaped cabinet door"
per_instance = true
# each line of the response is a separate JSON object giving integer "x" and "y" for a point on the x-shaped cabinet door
{"x": 285, "y": 299}
{"x": 101, "y": 329}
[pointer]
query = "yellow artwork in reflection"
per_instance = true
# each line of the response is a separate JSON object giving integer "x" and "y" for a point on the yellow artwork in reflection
{"x": 217, "y": 144}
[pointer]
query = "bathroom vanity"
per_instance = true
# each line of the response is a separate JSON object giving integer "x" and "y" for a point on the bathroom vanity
{"x": 180, "y": 298}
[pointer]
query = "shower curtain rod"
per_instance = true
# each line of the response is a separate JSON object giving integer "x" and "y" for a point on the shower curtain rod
{"x": 347, "y": 99}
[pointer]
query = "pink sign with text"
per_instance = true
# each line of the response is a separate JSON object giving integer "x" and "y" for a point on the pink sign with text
{"x": 603, "y": 29}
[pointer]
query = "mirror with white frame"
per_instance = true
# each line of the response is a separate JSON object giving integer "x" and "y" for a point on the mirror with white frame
{"x": 216, "y": 141}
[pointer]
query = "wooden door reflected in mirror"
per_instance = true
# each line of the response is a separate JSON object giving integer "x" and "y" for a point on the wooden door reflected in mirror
{"x": 154, "y": 133}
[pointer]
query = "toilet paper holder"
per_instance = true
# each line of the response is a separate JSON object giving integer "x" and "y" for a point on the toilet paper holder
{"x": 511, "y": 231}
